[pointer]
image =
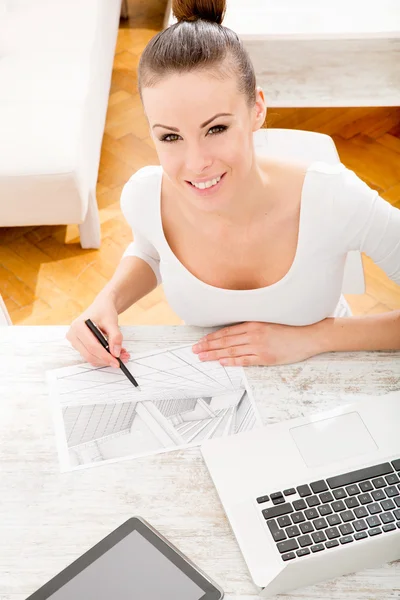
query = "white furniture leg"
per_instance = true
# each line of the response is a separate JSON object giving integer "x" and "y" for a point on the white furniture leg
{"x": 5, "y": 318}
{"x": 90, "y": 228}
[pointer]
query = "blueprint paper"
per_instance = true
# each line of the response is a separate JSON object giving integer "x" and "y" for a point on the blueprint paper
{"x": 100, "y": 417}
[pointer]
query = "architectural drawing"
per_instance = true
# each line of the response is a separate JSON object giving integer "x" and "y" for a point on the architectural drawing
{"x": 100, "y": 416}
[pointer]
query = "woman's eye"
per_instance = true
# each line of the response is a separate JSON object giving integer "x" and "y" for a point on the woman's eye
{"x": 173, "y": 137}
{"x": 169, "y": 137}
{"x": 217, "y": 129}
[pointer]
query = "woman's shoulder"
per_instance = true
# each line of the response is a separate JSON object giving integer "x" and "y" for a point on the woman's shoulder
{"x": 141, "y": 192}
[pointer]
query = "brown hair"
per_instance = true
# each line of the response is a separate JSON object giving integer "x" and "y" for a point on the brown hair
{"x": 197, "y": 41}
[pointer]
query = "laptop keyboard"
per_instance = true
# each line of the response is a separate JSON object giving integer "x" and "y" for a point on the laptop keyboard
{"x": 340, "y": 510}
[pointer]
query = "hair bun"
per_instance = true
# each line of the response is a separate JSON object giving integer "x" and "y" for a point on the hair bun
{"x": 192, "y": 10}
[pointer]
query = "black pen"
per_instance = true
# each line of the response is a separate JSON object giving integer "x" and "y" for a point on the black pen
{"x": 105, "y": 345}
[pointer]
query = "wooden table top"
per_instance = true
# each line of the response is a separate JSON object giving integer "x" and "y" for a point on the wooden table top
{"x": 48, "y": 519}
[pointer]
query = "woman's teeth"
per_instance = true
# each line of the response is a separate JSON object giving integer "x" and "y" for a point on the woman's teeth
{"x": 206, "y": 184}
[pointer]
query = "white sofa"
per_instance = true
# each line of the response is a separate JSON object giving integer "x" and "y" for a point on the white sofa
{"x": 56, "y": 60}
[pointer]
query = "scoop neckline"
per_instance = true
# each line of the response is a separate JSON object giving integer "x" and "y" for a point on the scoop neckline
{"x": 252, "y": 291}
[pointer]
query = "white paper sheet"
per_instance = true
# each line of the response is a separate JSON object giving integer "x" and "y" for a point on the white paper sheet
{"x": 100, "y": 417}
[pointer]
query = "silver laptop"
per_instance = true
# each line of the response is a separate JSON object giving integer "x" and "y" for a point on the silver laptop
{"x": 313, "y": 498}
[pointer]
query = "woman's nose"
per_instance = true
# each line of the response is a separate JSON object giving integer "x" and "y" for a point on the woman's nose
{"x": 197, "y": 161}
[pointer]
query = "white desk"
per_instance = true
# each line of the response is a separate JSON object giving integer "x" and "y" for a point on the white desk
{"x": 48, "y": 519}
{"x": 321, "y": 53}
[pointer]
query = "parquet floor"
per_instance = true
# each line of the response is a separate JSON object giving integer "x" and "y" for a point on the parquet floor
{"x": 46, "y": 278}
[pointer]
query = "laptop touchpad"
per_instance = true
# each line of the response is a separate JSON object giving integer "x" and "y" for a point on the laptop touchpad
{"x": 330, "y": 440}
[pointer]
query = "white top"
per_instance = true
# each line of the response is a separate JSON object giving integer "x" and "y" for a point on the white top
{"x": 339, "y": 212}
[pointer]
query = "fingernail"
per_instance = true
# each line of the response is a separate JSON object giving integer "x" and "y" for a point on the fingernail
{"x": 117, "y": 350}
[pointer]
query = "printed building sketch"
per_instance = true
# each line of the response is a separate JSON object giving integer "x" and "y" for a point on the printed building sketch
{"x": 181, "y": 402}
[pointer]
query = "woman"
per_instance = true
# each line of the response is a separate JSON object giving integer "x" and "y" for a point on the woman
{"x": 251, "y": 244}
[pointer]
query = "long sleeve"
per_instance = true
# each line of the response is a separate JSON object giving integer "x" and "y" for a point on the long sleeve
{"x": 132, "y": 198}
{"x": 369, "y": 223}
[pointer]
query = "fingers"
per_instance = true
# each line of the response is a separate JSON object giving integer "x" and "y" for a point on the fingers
{"x": 208, "y": 344}
{"x": 227, "y": 331}
{"x": 95, "y": 357}
{"x": 241, "y": 361}
{"x": 230, "y": 352}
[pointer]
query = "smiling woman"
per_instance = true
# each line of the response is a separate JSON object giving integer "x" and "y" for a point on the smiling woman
{"x": 251, "y": 244}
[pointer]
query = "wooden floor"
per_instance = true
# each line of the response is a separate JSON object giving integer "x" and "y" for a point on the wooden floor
{"x": 46, "y": 278}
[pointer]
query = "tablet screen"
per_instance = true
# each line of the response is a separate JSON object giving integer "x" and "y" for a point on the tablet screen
{"x": 132, "y": 569}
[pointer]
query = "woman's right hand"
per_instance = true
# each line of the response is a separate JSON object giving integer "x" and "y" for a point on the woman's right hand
{"x": 104, "y": 315}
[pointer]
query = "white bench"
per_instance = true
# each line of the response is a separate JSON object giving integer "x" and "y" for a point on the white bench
{"x": 321, "y": 54}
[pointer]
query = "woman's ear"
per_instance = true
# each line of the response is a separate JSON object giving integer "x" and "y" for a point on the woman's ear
{"x": 260, "y": 109}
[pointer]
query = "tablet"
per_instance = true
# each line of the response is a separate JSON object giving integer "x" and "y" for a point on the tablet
{"x": 134, "y": 562}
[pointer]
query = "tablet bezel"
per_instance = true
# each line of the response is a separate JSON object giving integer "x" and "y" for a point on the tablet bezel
{"x": 211, "y": 590}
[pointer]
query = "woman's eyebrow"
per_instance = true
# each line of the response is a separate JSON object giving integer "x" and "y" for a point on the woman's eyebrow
{"x": 201, "y": 126}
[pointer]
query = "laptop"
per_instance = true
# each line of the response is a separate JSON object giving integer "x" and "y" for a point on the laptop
{"x": 312, "y": 498}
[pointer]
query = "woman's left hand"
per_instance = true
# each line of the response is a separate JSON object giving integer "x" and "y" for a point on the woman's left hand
{"x": 257, "y": 343}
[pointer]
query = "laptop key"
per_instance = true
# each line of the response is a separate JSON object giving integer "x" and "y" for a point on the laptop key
{"x": 378, "y": 495}
{"x": 392, "y": 491}
{"x": 276, "y": 495}
{"x": 287, "y": 546}
{"x": 284, "y": 521}
{"x": 302, "y": 552}
{"x": 360, "y": 535}
{"x": 373, "y": 521}
{"x": 391, "y": 479}
{"x": 318, "y": 486}
{"x": 375, "y": 531}
{"x": 326, "y": 497}
{"x": 379, "y": 482}
{"x": 361, "y": 512}
{"x": 288, "y": 556}
{"x": 279, "y": 500}
{"x": 305, "y": 540}
{"x": 397, "y": 513}
{"x": 332, "y": 532}
{"x": 387, "y": 517}
{"x": 388, "y": 505}
{"x": 298, "y": 517}
{"x": 304, "y": 490}
{"x": 389, "y": 527}
{"x": 352, "y": 490}
{"x": 273, "y": 526}
{"x": 352, "y": 502}
{"x": 359, "y": 475}
{"x": 396, "y": 464}
{"x": 366, "y": 486}
{"x": 311, "y": 513}
{"x": 306, "y": 527}
{"x": 374, "y": 508}
{"x": 365, "y": 498}
{"x": 346, "y": 539}
{"x": 318, "y": 536}
{"x": 346, "y": 529}
{"x": 292, "y": 531}
{"x": 320, "y": 523}
{"x": 331, "y": 544}
{"x": 262, "y": 499}
{"x": 277, "y": 511}
{"x": 340, "y": 493}
{"x": 324, "y": 510}
{"x": 333, "y": 519}
{"x": 347, "y": 515}
{"x": 360, "y": 525}
{"x": 313, "y": 501}
{"x": 338, "y": 506}
{"x": 317, "y": 548}
{"x": 289, "y": 492}
{"x": 299, "y": 505}
{"x": 397, "y": 500}
{"x": 279, "y": 535}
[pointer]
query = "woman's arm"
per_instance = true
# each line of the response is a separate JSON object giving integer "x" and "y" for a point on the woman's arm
{"x": 371, "y": 332}
{"x": 132, "y": 280}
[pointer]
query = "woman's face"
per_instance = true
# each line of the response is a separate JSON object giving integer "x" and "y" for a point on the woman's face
{"x": 202, "y": 128}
